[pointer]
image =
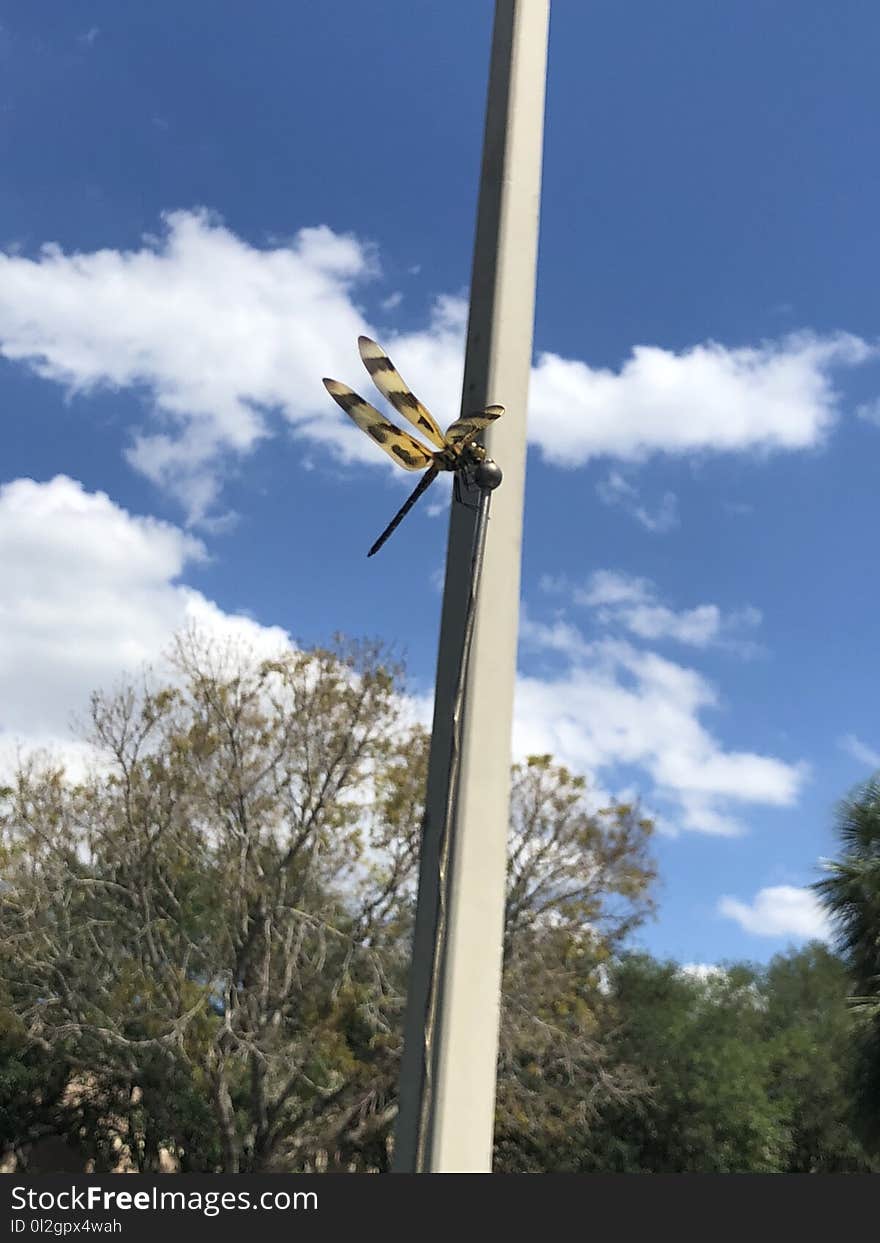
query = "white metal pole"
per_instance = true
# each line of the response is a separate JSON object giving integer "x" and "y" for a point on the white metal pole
{"x": 447, "y": 1087}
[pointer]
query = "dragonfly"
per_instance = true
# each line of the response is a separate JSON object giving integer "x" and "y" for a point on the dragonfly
{"x": 456, "y": 449}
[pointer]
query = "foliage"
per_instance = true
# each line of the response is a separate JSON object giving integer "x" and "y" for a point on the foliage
{"x": 218, "y": 904}
{"x": 748, "y": 1070}
{"x": 210, "y": 934}
{"x": 696, "y": 1043}
{"x": 204, "y": 947}
{"x": 811, "y": 1030}
{"x": 578, "y": 883}
{"x": 850, "y": 891}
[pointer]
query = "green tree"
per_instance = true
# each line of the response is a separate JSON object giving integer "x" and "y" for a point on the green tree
{"x": 850, "y": 892}
{"x": 851, "y": 889}
{"x": 211, "y": 932}
{"x": 578, "y": 882}
{"x": 697, "y": 1044}
{"x": 810, "y": 1027}
{"x": 32, "y": 1087}
{"x": 216, "y": 905}
{"x": 746, "y": 1070}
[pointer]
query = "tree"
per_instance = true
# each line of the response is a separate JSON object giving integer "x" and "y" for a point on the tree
{"x": 747, "y": 1069}
{"x": 32, "y": 1087}
{"x": 851, "y": 890}
{"x": 212, "y": 930}
{"x": 697, "y": 1044}
{"x": 219, "y": 903}
{"x": 810, "y": 1028}
{"x": 577, "y": 884}
{"x": 851, "y": 894}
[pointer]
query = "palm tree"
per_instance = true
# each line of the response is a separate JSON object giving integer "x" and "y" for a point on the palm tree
{"x": 850, "y": 892}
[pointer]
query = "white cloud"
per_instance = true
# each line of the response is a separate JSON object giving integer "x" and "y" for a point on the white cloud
{"x": 618, "y": 491}
{"x": 614, "y": 705}
{"x": 709, "y": 398}
{"x": 778, "y": 911}
{"x": 87, "y": 592}
{"x": 216, "y": 330}
{"x": 633, "y": 604}
{"x": 698, "y": 626}
{"x": 870, "y": 411}
{"x": 860, "y": 751}
{"x": 219, "y": 334}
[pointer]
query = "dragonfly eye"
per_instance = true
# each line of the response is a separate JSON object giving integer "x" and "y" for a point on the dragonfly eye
{"x": 488, "y": 475}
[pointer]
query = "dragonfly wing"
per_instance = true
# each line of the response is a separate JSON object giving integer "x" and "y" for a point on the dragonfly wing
{"x": 403, "y": 448}
{"x": 472, "y": 424}
{"x": 392, "y": 386}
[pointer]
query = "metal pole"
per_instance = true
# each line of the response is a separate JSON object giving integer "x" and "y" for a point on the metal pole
{"x": 447, "y": 1084}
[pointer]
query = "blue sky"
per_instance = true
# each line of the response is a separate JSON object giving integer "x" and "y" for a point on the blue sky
{"x": 201, "y": 208}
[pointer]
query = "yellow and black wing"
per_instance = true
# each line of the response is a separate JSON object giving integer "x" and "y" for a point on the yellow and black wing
{"x": 392, "y": 386}
{"x": 465, "y": 429}
{"x": 403, "y": 448}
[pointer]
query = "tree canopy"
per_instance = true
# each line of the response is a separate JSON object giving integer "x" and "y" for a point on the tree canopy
{"x": 204, "y": 947}
{"x": 850, "y": 891}
{"x": 208, "y": 937}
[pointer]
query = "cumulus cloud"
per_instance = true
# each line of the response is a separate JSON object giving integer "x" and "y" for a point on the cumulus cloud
{"x": 217, "y": 331}
{"x": 614, "y": 705}
{"x": 221, "y": 335}
{"x": 90, "y": 590}
{"x": 91, "y": 593}
{"x": 87, "y": 592}
{"x": 779, "y": 911}
{"x": 633, "y": 604}
{"x": 708, "y": 398}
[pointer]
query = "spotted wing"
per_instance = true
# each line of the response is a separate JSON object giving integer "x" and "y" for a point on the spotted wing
{"x": 391, "y": 385}
{"x": 403, "y": 448}
{"x": 464, "y": 430}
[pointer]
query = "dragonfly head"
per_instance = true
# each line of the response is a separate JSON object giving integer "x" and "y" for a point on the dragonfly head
{"x": 487, "y": 474}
